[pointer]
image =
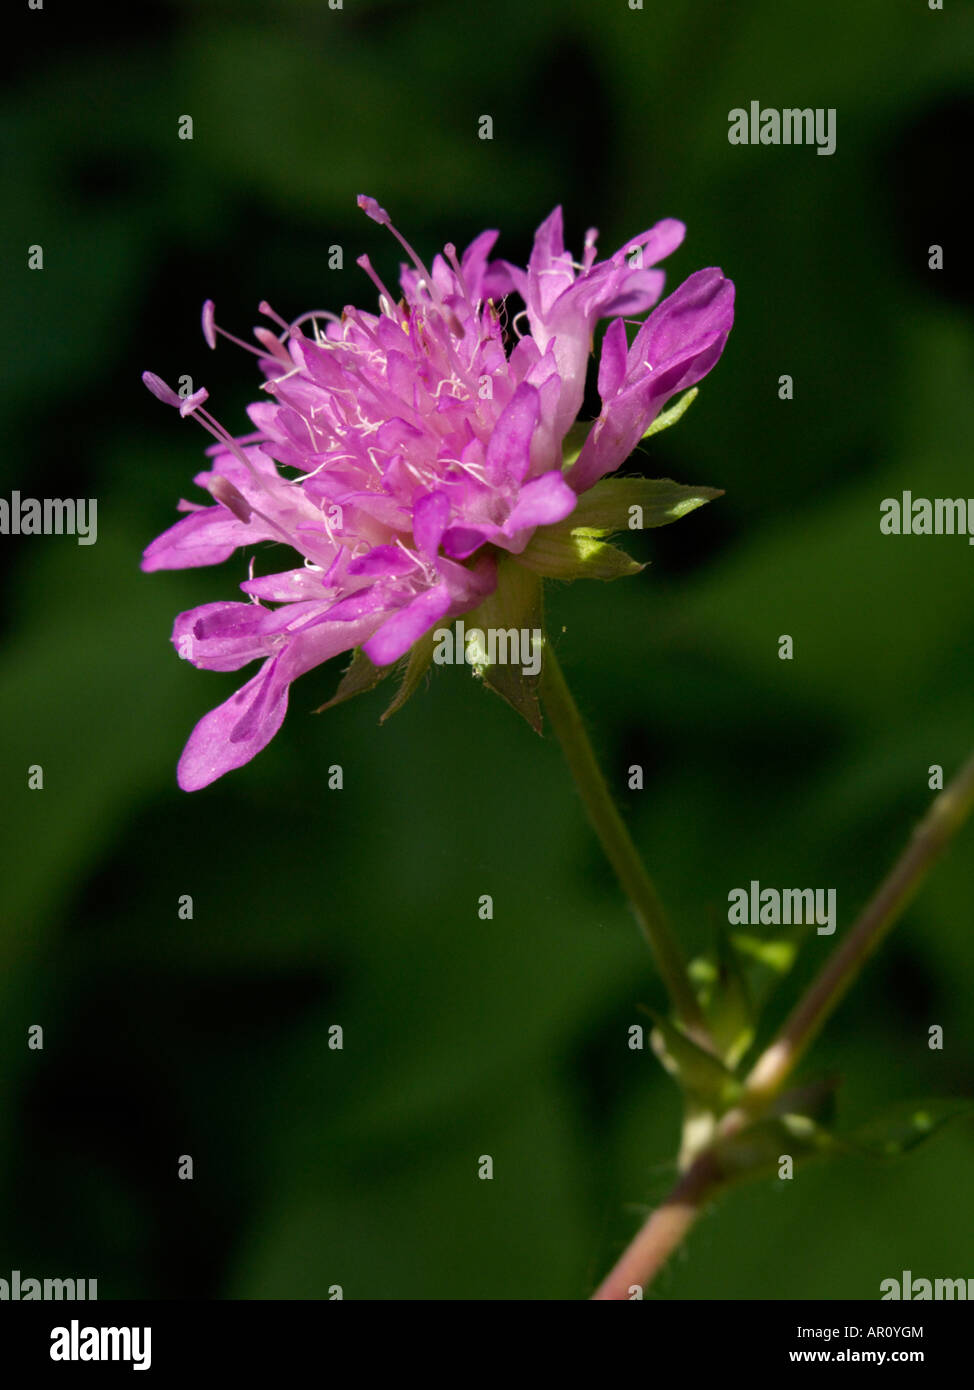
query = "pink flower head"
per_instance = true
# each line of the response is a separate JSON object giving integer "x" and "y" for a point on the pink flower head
{"x": 401, "y": 454}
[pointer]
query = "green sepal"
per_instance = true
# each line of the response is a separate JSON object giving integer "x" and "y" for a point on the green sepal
{"x": 606, "y": 507}
{"x": 568, "y": 551}
{"x": 765, "y": 962}
{"x": 725, "y": 998}
{"x": 515, "y": 603}
{"x": 776, "y": 956}
{"x": 572, "y": 444}
{"x": 414, "y": 668}
{"x": 705, "y": 1081}
{"x": 666, "y": 418}
{"x": 358, "y": 677}
{"x": 574, "y": 440}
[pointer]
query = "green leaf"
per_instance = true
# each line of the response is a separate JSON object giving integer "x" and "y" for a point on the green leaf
{"x": 516, "y": 603}
{"x": 414, "y": 669}
{"x": 359, "y": 676}
{"x": 574, "y": 552}
{"x": 814, "y": 1099}
{"x": 608, "y": 506}
{"x": 755, "y": 1152}
{"x": 794, "y": 1124}
{"x": 669, "y": 417}
{"x": 905, "y": 1125}
{"x": 790, "y": 1129}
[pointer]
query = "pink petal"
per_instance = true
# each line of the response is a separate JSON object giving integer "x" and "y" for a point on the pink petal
{"x": 394, "y": 638}
{"x": 542, "y": 502}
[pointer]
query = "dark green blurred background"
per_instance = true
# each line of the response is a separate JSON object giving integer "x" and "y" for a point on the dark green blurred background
{"x": 315, "y": 1167}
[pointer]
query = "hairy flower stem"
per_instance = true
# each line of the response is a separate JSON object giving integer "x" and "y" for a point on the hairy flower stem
{"x": 944, "y": 818}
{"x": 617, "y": 843}
{"x": 665, "y": 1230}
{"x": 669, "y": 1224}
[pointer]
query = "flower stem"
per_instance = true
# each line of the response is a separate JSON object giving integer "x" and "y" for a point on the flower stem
{"x": 946, "y": 815}
{"x": 666, "y": 1229}
{"x": 617, "y": 843}
{"x": 671, "y": 1221}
